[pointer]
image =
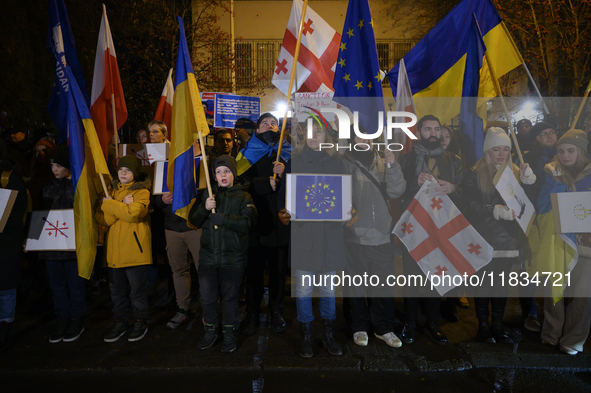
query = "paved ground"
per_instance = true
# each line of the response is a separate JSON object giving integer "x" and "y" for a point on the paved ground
{"x": 167, "y": 356}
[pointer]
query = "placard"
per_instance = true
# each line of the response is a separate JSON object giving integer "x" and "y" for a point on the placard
{"x": 7, "y": 199}
{"x": 572, "y": 212}
{"x": 51, "y": 230}
{"x": 161, "y": 174}
{"x": 229, "y": 108}
{"x": 317, "y": 197}
{"x": 148, "y": 153}
{"x": 305, "y": 102}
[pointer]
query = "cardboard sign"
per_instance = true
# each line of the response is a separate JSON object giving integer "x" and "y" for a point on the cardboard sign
{"x": 148, "y": 153}
{"x": 305, "y": 102}
{"x": 572, "y": 212}
{"x": 316, "y": 197}
{"x": 514, "y": 196}
{"x": 7, "y": 198}
{"x": 161, "y": 174}
{"x": 229, "y": 108}
{"x": 52, "y": 230}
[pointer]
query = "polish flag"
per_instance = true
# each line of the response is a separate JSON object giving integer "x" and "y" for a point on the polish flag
{"x": 404, "y": 103}
{"x": 106, "y": 87}
{"x": 164, "y": 111}
{"x": 319, "y": 49}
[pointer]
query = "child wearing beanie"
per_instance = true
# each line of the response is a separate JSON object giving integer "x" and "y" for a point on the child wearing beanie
{"x": 128, "y": 242}
{"x": 68, "y": 289}
{"x": 224, "y": 245}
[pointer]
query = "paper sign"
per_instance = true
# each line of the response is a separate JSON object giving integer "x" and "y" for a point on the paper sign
{"x": 51, "y": 230}
{"x": 316, "y": 197}
{"x": 572, "y": 212}
{"x": 7, "y": 198}
{"x": 148, "y": 153}
{"x": 305, "y": 102}
{"x": 514, "y": 196}
{"x": 229, "y": 108}
{"x": 161, "y": 174}
{"x": 207, "y": 100}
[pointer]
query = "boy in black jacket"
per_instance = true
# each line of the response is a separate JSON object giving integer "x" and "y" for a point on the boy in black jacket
{"x": 223, "y": 253}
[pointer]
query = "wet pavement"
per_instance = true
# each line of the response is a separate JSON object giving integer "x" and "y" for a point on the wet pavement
{"x": 268, "y": 361}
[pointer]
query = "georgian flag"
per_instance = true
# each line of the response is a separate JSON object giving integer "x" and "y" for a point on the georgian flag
{"x": 440, "y": 238}
{"x": 317, "y": 58}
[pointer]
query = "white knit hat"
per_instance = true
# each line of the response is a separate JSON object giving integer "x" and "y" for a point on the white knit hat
{"x": 496, "y": 136}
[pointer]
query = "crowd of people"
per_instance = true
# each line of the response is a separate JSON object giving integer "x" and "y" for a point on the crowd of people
{"x": 244, "y": 231}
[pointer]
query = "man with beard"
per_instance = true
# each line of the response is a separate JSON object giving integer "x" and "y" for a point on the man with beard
{"x": 268, "y": 242}
{"x": 426, "y": 161}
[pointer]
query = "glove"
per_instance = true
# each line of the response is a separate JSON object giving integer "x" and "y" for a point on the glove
{"x": 217, "y": 218}
{"x": 284, "y": 216}
{"x": 528, "y": 177}
{"x": 501, "y": 212}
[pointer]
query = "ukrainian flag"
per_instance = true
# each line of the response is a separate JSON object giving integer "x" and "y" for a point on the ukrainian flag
{"x": 188, "y": 118}
{"x": 552, "y": 252}
{"x": 87, "y": 161}
{"x": 256, "y": 149}
{"x": 435, "y": 66}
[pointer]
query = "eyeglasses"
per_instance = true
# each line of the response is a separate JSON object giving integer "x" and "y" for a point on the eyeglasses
{"x": 545, "y": 134}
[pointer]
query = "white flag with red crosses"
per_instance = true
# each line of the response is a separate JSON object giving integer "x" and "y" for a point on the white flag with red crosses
{"x": 440, "y": 239}
{"x": 319, "y": 49}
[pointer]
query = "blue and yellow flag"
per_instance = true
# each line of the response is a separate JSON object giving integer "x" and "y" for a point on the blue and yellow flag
{"x": 357, "y": 75}
{"x": 188, "y": 118}
{"x": 256, "y": 149}
{"x": 87, "y": 161}
{"x": 435, "y": 65}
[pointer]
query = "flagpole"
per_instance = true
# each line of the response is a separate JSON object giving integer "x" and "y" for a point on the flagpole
{"x": 498, "y": 89}
{"x": 104, "y": 185}
{"x": 206, "y": 168}
{"x": 536, "y": 87}
{"x": 574, "y": 123}
{"x": 293, "y": 73}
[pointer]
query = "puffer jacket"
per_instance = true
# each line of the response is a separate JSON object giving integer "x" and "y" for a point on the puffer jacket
{"x": 59, "y": 194}
{"x": 226, "y": 246}
{"x": 374, "y": 223}
{"x": 502, "y": 235}
{"x": 128, "y": 238}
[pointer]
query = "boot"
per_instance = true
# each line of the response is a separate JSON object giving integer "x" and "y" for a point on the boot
{"x": 497, "y": 312}
{"x": 306, "y": 350}
{"x": 229, "y": 344}
{"x": 328, "y": 340}
{"x": 484, "y": 333}
{"x": 211, "y": 336}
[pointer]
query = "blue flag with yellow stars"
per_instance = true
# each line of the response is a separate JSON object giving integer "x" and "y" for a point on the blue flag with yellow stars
{"x": 357, "y": 75}
{"x": 319, "y": 197}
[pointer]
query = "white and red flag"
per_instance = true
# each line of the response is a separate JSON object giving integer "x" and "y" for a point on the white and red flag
{"x": 440, "y": 239}
{"x": 164, "y": 110}
{"x": 404, "y": 103}
{"x": 106, "y": 87}
{"x": 317, "y": 58}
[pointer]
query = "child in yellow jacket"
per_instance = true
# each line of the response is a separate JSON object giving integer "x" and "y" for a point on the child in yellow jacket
{"x": 128, "y": 251}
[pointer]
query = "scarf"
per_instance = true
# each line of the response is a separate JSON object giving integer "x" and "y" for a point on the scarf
{"x": 423, "y": 155}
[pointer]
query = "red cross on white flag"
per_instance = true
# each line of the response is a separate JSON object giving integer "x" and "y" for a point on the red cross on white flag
{"x": 441, "y": 240}
{"x": 317, "y": 59}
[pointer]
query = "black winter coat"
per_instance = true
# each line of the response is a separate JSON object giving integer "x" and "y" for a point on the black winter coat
{"x": 172, "y": 222}
{"x": 12, "y": 237}
{"x": 316, "y": 246}
{"x": 59, "y": 194}
{"x": 502, "y": 235}
{"x": 226, "y": 246}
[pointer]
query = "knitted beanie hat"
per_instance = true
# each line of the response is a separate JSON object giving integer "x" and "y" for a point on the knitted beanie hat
{"x": 132, "y": 163}
{"x": 496, "y": 136}
{"x": 227, "y": 161}
{"x": 574, "y": 137}
{"x": 539, "y": 127}
{"x": 61, "y": 156}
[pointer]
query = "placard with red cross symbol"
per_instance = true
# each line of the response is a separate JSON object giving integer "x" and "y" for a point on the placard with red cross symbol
{"x": 440, "y": 239}
{"x": 52, "y": 230}
{"x": 147, "y": 153}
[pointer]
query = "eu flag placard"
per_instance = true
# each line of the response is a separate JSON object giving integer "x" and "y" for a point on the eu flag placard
{"x": 319, "y": 197}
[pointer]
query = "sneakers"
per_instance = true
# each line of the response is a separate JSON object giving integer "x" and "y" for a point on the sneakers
{"x": 138, "y": 331}
{"x": 211, "y": 336}
{"x": 74, "y": 330}
{"x": 391, "y": 339}
{"x": 568, "y": 350}
{"x": 229, "y": 344}
{"x": 180, "y": 317}
{"x": 360, "y": 338}
{"x": 60, "y": 330}
{"x": 117, "y": 330}
{"x": 532, "y": 324}
{"x": 277, "y": 322}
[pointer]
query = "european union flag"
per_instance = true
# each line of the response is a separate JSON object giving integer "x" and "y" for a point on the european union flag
{"x": 357, "y": 75}
{"x": 471, "y": 125}
{"x": 319, "y": 197}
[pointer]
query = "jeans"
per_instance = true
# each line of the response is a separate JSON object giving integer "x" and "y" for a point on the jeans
{"x": 258, "y": 258}
{"x": 68, "y": 289}
{"x": 7, "y": 305}
{"x": 128, "y": 285}
{"x": 304, "y": 296}
{"x": 216, "y": 283}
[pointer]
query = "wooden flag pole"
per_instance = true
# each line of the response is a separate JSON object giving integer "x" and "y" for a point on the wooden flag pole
{"x": 206, "y": 168}
{"x": 293, "y": 73}
{"x": 104, "y": 185}
{"x": 500, "y": 94}
{"x": 574, "y": 123}
{"x": 116, "y": 135}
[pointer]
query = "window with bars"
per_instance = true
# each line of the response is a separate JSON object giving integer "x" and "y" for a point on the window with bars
{"x": 390, "y": 52}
